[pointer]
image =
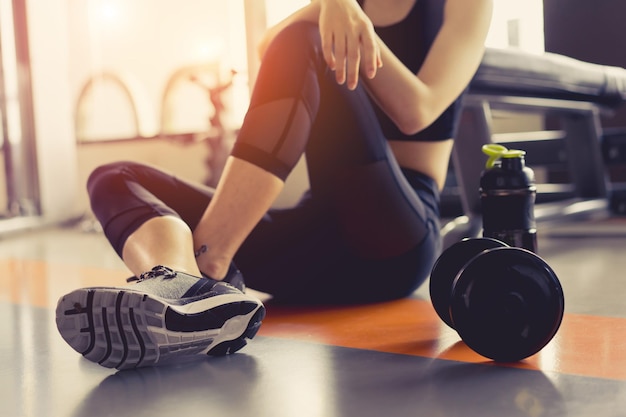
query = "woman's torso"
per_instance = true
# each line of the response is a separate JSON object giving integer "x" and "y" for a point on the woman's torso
{"x": 403, "y": 26}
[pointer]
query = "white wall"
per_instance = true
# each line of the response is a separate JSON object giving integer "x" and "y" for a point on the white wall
{"x": 66, "y": 46}
{"x": 56, "y": 150}
{"x": 516, "y": 21}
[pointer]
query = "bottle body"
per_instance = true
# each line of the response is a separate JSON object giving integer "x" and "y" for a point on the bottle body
{"x": 509, "y": 216}
{"x": 507, "y": 194}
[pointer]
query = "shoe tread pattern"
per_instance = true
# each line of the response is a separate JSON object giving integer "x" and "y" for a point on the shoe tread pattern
{"x": 125, "y": 329}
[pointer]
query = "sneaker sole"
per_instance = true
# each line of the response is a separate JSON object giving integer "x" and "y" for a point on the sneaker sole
{"x": 119, "y": 328}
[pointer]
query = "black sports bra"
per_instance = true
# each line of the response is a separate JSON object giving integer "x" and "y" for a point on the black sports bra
{"x": 406, "y": 38}
{"x": 410, "y": 39}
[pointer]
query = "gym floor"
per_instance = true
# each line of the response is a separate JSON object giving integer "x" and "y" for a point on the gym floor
{"x": 394, "y": 359}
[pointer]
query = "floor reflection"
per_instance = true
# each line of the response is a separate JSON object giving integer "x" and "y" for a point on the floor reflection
{"x": 215, "y": 385}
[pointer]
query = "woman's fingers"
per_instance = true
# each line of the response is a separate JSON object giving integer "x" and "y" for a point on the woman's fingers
{"x": 348, "y": 42}
{"x": 370, "y": 54}
{"x": 328, "y": 47}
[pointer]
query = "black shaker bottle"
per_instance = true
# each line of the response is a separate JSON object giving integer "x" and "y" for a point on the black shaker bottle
{"x": 507, "y": 195}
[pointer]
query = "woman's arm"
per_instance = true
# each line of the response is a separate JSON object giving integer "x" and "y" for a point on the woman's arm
{"x": 414, "y": 102}
{"x": 348, "y": 38}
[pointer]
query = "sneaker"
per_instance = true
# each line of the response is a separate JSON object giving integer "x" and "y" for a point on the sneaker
{"x": 165, "y": 316}
{"x": 234, "y": 277}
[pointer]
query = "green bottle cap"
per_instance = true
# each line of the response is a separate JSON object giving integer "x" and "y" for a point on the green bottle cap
{"x": 495, "y": 152}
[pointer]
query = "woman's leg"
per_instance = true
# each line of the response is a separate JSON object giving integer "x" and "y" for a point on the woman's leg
{"x": 244, "y": 194}
{"x": 148, "y": 215}
{"x": 364, "y": 221}
{"x": 271, "y": 141}
{"x": 170, "y": 312}
{"x": 144, "y": 248}
{"x": 364, "y": 210}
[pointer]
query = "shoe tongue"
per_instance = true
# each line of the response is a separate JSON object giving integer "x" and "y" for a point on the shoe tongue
{"x": 160, "y": 282}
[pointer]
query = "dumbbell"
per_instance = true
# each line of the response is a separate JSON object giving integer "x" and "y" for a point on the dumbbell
{"x": 506, "y": 303}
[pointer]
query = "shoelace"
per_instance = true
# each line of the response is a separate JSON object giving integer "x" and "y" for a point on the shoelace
{"x": 157, "y": 271}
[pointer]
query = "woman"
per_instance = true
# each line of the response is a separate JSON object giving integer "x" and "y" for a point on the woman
{"x": 369, "y": 92}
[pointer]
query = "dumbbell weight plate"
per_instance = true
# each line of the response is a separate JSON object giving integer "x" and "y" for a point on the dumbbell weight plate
{"x": 448, "y": 266}
{"x": 507, "y": 304}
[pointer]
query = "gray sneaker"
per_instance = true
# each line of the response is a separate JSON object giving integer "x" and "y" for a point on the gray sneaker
{"x": 164, "y": 316}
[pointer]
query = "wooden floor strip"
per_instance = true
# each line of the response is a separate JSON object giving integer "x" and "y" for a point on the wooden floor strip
{"x": 585, "y": 345}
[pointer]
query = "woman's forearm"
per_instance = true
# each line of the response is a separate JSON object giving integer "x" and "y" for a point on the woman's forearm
{"x": 414, "y": 101}
{"x": 399, "y": 92}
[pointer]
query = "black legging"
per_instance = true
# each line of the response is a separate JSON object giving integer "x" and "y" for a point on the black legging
{"x": 365, "y": 231}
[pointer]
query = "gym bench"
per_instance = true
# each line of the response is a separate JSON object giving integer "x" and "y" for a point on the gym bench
{"x": 563, "y": 89}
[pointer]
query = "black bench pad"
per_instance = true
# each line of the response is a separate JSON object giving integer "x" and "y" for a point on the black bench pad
{"x": 548, "y": 75}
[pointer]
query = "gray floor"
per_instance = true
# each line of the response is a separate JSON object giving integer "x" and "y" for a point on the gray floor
{"x": 41, "y": 376}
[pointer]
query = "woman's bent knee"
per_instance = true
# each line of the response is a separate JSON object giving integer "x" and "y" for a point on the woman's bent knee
{"x": 110, "y": 178}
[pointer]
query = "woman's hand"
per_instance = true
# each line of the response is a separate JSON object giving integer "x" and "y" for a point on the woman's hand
{"x": 348, "y": 41}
